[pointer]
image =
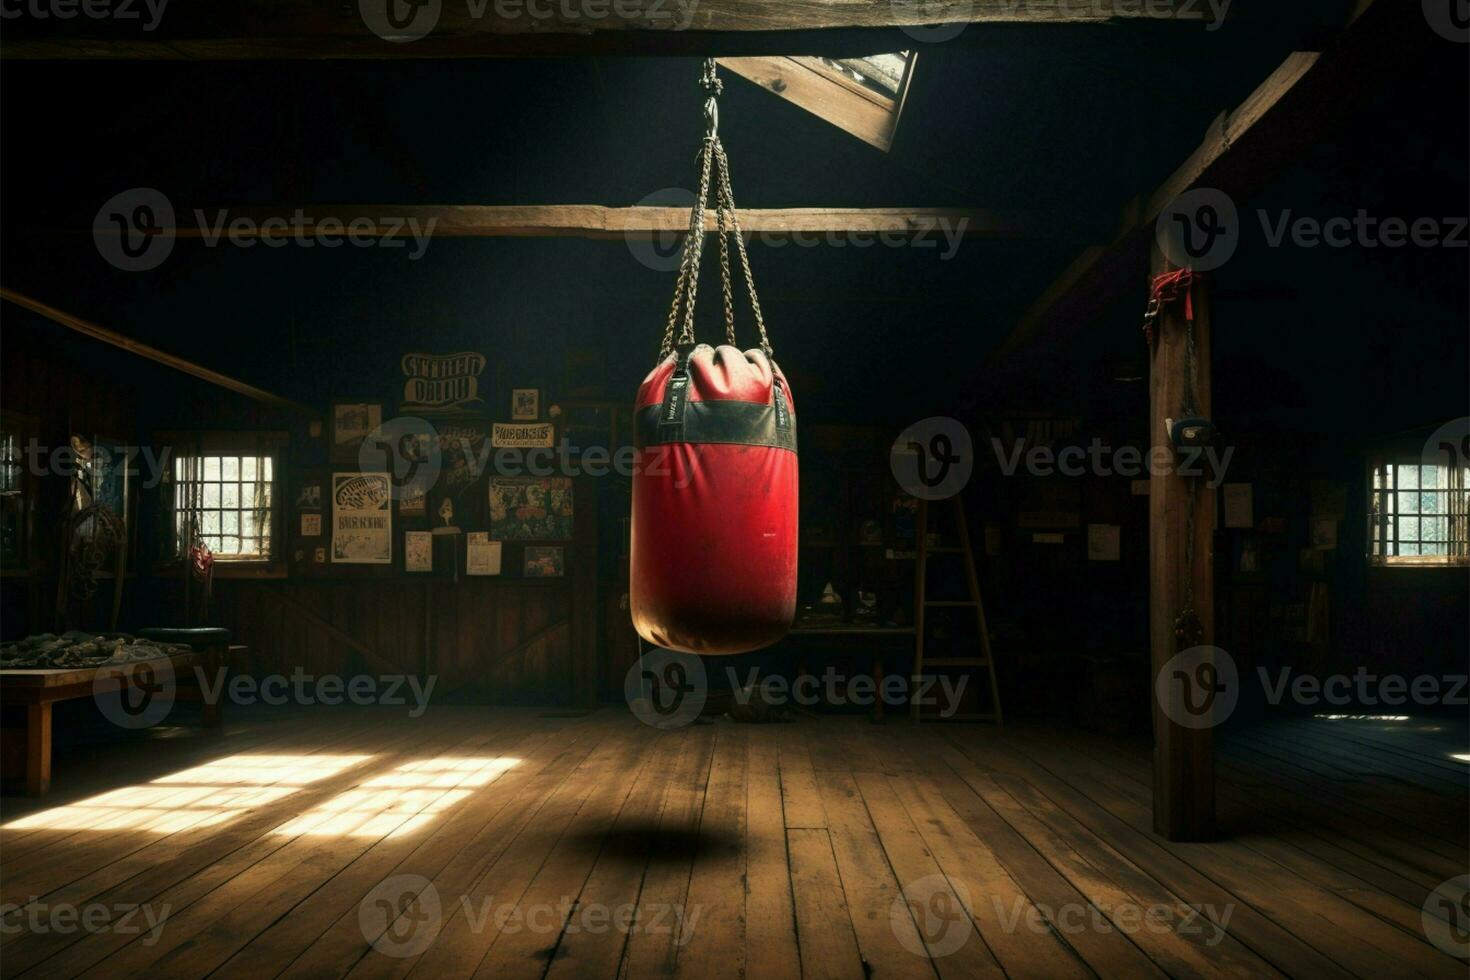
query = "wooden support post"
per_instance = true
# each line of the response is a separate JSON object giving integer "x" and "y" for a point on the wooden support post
{"x": 1179, "y": 507}
{"x": 38, "y": 749}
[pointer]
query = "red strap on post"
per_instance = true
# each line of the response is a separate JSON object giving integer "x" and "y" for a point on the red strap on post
{"x": 1166, "y": 289}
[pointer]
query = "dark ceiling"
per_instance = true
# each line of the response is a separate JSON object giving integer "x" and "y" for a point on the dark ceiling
{"x": 1068, "y": 121}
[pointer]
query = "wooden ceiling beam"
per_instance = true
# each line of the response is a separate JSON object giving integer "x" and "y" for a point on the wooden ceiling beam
{"x": 1307, "y": 95}
{"x": 594, "y": 221}
{"x": 310, "y": 30}
{"x": 98, "y": 332}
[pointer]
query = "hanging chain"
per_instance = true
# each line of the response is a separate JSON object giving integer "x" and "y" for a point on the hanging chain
{"x": 686, "y": 287}
{"x": 729, "y": 196}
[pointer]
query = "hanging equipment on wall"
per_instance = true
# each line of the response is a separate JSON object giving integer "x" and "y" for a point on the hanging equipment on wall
{"x": 715, "y": 489}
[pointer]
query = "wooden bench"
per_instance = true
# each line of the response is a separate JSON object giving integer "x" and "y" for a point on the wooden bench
{"x": 36, "y": 690}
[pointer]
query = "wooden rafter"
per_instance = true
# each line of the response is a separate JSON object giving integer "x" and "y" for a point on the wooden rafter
{"x": 596, "y": 221}
{"x": 97, "y": 332}
{"x": 1301, "y": 100}
{"x": 303, "y": 29}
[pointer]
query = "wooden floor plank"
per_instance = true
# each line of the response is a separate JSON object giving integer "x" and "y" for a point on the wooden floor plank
{"x": 617, "y": 876}
{"x": 770, "y": 913}
{"x": 652, "y": 949}
{"x": 890, "y": 944}
{"x": 829, "y": 846}
{"x": 801, "y": 802}
{"x": 300, "y": 929}
{"x": 178, "y": 868}
{"x": 712, "y": 943}
{"x": 829, "y": 950}
{"x": 1352, "y": 937}
{"x": 1257, "y": 932}
{"x": 206, "y": 933}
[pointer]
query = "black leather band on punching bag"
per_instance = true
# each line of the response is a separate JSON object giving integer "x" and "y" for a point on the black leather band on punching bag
{"x": 729, "y": 422}
{"x": 677, "y": 419}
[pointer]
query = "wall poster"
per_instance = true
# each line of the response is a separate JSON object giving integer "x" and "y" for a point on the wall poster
{"x": 543, "y": 562}
{"x": 418, "y": 551}
{"x": 362, "y": 519}
{"x": 531, "y": 508}
{"x": 482, "y": 555}
{"x": 522, "y": 435}
{"x": 351, "y": 423}
{"x": 441, "y": 382}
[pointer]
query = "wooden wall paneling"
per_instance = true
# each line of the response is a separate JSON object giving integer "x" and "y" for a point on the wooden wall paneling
{"x": 585, "y": 602}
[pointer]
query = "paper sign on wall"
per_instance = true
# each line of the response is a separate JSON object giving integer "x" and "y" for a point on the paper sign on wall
{"x": 1103, "y": 541}
{"x": 1239, "y": 510}
{"x": 482, "y": 556}
{"x": 418, "y": 551}
{"x": 311, "y": 525}
{"x": 522, "y": 435}
{"x": 441, "y": 382}
{"x": 362, "y": 519}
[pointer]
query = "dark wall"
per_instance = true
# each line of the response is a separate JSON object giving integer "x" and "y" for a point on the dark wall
{"x": 1318, "y": 353}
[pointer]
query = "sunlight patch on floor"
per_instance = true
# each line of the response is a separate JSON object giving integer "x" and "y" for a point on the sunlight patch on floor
{"x": 203, "y": 796}
{"x": 401, "y": 801}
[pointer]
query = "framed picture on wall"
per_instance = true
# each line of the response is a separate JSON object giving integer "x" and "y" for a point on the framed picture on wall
{"x": 351, "y": 423}
{"x": 531, "y": 508}
{"x": 543, "y": 561}
{"x": 525, "y": 404}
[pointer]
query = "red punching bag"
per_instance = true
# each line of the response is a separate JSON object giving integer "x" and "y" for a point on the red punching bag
{"x": 715, "y": 489}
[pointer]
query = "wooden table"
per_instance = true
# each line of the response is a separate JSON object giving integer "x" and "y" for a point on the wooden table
{"x": 37, "y": 689}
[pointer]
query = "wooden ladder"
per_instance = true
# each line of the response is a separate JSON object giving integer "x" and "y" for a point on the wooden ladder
{"x": 922, "y": 604}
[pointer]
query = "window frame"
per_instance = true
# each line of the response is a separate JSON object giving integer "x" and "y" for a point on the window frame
{"x": 1378, "y": 485}
{"x": 244, "y": 443}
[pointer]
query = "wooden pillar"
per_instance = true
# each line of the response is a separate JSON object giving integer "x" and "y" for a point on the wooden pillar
{"x": 38, "y": 749}
{"x": 1184, "y": 768}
